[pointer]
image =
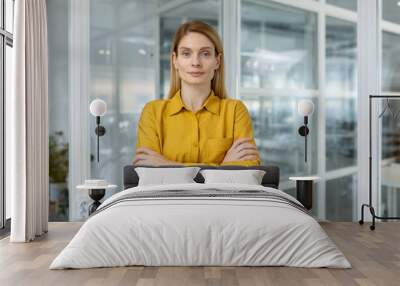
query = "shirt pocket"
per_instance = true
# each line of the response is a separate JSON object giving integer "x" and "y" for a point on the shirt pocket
{"x": 216, "y": 149}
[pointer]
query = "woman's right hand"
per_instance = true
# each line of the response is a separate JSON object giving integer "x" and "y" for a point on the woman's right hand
{"x": 241, "y": 150}
{"x": 146, "y": 156}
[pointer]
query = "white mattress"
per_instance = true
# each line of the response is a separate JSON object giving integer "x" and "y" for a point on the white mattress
{"x": 200, "y": 231}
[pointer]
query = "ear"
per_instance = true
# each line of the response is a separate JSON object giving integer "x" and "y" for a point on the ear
{"x": 218, "y": 58}
{"x": 173, "y": 56}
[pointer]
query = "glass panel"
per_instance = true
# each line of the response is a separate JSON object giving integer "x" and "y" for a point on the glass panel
{"x": 389, "y": 198}
{"x": 390, "y": 62}
{"x": 315, "y": 201}
{"x": 8, "y": 90}
{"x": 2, "y": 137}
{"x": 341, "y": 87}
{"x": 391, "y": 11}
{"x": 341, "y": 197}
{"x": 57, "y": 24}
{"x": 390, "y": 157}
{"x": 347, "y": 4}
{"x": 390, "y": 193}
{"x": 275, "y": 122}
{"x": 204, "y": 10}
{"x": 122, "y": 73}
{"x": 278, "y": 47}
{"x": 123, "y": 35}
{"x": 123, "y": 70}
{"x": 9, "y": 17}
{"x": 279, "y": 63}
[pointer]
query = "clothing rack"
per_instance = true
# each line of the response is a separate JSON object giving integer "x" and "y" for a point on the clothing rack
{"x": 369, "y": 205}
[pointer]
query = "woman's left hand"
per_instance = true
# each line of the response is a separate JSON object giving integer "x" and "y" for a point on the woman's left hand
{"x": 146, "y": 156}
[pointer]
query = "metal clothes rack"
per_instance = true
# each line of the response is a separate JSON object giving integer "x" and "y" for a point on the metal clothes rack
{"x": 369, "y": 205}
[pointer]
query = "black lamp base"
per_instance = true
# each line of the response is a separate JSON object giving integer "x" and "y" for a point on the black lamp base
{"x": 304, "y": 189}
{"x": 96, "y": 195}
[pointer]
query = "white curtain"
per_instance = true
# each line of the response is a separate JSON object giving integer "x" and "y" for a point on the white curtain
{"x": 28, "y": 122}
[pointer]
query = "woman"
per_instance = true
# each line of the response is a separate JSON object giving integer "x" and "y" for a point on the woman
{"x": 197, "y": 124}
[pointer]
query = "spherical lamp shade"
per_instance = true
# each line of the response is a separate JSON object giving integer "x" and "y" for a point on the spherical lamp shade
{"x": 305, "y": 107}
{"x": 98, "y": 107}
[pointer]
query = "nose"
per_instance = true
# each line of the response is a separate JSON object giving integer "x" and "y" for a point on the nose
{"x": 195, "y": 61}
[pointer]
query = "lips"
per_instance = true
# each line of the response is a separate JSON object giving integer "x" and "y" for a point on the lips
{"x": 196, "y": 74}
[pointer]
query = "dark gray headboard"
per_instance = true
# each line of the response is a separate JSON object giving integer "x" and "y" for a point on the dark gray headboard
{"x": 270, "y": 179}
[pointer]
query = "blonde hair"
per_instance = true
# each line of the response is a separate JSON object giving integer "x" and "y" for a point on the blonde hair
{"x": 218, "y": 81}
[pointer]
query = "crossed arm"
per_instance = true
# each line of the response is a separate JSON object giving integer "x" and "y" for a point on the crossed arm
{"x": 242, "y": 151}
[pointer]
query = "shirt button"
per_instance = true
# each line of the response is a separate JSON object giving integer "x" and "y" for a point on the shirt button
{"x": 195, "y": 145}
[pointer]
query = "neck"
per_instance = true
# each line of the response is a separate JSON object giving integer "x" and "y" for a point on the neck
{"x": 194, "y": 96}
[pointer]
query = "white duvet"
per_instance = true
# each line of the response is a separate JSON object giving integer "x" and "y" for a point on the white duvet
{"x": 200, "y": 231}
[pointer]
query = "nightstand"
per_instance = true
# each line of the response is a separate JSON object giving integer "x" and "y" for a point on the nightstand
{"x": 96, "y": 192}
{"x": 304, "y": 190}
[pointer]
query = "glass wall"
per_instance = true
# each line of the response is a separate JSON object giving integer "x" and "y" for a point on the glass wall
{"x": 58, "y": 45}
{"x": 340, "y": 93}
{"x": 341, "y": 198}
{"x": 170, "y": 18}
{"x": 122, "y": 73}
{"x": 2, "y": 125}
{"x": 278, "y": 61}
{"x": 390, "y": 156}
{"x": 9, "y": 15}
{"x": 7, "y": 61}
{"x": 346, "y": 4}
{"x": 282, "y": 55}
{"x": 388, "y": 197}
{"x": 390, "y": 11}
{"x": 390, "y": 61}
{"x": 128, "y": 41}
{"x": 129, "y": 66}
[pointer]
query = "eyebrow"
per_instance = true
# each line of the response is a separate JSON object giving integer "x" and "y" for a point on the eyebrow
{"x": 203, "y": 48}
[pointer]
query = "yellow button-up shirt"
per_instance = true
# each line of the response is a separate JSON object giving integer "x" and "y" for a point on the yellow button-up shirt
{"x": 202, "y": 137}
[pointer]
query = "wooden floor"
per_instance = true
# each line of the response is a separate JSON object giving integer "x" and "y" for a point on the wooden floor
{"x": 374, "y": 255}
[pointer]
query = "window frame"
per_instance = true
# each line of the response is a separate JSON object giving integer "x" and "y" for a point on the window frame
{"x": 6, "y": 39}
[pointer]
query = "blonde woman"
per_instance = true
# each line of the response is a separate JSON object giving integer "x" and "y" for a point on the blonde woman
{"x": 198, "y": 123}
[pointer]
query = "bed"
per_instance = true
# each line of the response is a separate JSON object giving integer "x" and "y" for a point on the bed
{"x": 198, "y": 224}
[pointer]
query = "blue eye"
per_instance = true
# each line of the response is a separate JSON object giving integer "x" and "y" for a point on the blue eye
{"x": 185, "y": 54}
{"x": 206, "y": 54}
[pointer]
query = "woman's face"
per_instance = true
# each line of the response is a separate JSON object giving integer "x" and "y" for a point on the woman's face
{"x": 196, "y": 59}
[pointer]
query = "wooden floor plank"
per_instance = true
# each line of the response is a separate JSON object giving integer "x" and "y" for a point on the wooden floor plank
{"x": 374, "y": 255}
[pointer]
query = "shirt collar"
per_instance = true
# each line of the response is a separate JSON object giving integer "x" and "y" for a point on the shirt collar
{"x": 212, "y": 103}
